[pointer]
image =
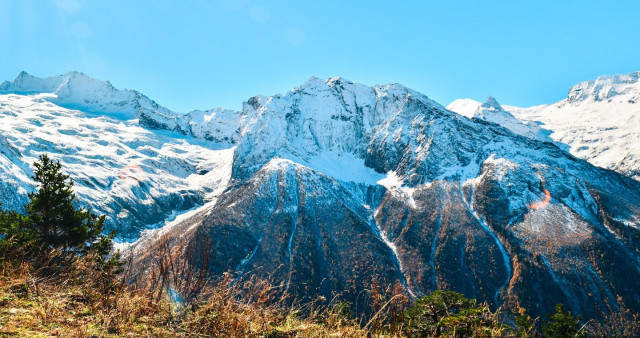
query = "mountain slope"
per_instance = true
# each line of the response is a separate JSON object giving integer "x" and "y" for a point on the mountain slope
{"x": 136, "y": 177}
{"x": 599, "y": 120}
{"x": 462, "y": 204}
{"x": 492, "y": 111}
{"x": 335, "y": 186}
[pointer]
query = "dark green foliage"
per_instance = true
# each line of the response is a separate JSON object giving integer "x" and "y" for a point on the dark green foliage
{"x": 525, "y": 326}
{"x": 450, "y": 313}
{"x": 13, "y": 237}
{"x": 562, "y": 324}
{"x": 53, "y": 227}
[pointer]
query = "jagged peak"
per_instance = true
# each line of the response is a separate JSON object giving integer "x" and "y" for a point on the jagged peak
{"x": 27, "y": 83}
{"x": 605, "y": 87}
{"x": 337, "y": 80}
{"x": 491, "y": 103}
{"x": 76, "y": 90}
{"x": 72, "y": 80}
{"x": 312, "y": 83}
{"x": 74, "y": 76}
{"x": 401, "y": 91}
{"x": 315, "y": 83}
{"x": 22, "y": 74}
{"x": 492, "y": 111}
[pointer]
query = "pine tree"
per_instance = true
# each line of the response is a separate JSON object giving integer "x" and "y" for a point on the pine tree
{"x": 562, "y": 324}
{"x": 525, "y": 326}
{"x": 14, "y": 239}
{"x": 53, "y": 225}
{"x": 449, "y": 313}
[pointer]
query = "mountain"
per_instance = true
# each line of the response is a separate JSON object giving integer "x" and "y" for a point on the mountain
{"x": 75, "y": 90}
{"x": 599, "y": 121}
{"x": 138, "y": 178}
{"x": 492, "y": 111}
{"x": 336, "y": 185}
{"x": 217, "y": 125}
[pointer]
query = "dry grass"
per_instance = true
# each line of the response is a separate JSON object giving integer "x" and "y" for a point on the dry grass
{"x": 71, "y": 311}
{"x": 77, "y": 304}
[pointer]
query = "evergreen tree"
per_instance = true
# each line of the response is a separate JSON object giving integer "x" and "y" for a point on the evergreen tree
{"x": 449, "y": 313}
{"x": 525, "y": 326}
{"x": 562, "y": 324}
{"x": 14, "y": 239}
{"x": 53, "y": 225}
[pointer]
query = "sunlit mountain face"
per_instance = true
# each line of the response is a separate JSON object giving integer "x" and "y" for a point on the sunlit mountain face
{"x": 335, "y": 185}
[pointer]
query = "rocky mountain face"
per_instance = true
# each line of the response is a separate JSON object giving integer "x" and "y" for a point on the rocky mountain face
{"x": 427, "y": 199}
{"x": 335, "y": 186}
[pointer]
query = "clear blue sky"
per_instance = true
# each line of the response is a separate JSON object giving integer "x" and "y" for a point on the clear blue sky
{"x": 204, "y": 53}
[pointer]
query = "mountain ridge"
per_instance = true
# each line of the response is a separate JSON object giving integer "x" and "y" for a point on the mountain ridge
{"x": 599, "y": 121}
{"x": 336, "y": 185}
{"x": 478, "y": 194}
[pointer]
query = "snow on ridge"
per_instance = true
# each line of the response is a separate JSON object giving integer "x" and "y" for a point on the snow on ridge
{"x": 599, "y": 121}
{"x": 25, "y": 83}
{"x": 464, "y": 107}
{"x": 173, "y": 174}
{"x": 333, "y": 116}
{"x": 606, "y": 87}
{"x": 217, "y": 124}
{"x": 492, "y": 111}
{"x": 75, "y": 90}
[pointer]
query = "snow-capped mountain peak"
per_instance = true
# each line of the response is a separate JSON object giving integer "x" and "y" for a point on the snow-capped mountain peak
{"x": 334, "y": 173}
{"x": 492, "y": 104}
{"x": 492, "y": 111}
{"x": 625, "y": 87}
{"x": 336, "y": 184}
{"x": 75, "y": 90}
{"x": 312, "y": 83}
{"x": 599, "y": 121}
{"x": 25, "y": 83}
{"x": 59, "y": 84}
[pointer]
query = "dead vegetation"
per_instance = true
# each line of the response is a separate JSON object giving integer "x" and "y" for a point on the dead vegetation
{"x": 172, "y": 299}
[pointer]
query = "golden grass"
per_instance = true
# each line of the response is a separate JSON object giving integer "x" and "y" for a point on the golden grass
{"x": 78, "y": 307}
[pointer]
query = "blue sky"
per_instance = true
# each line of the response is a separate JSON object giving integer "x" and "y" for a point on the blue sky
{"x": 204, "y": 53}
